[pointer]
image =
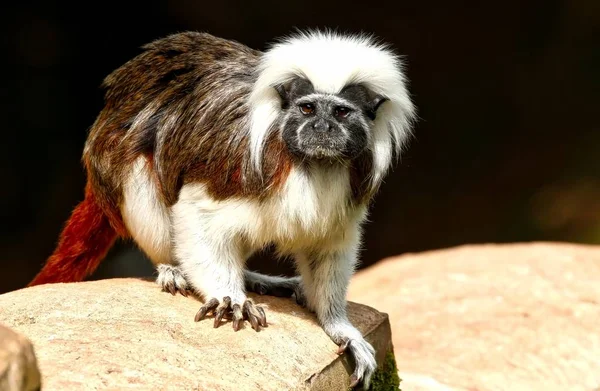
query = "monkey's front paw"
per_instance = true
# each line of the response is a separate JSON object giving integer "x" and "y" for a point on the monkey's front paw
{"x": 364, "y": 358}
{"x": 238, "y": 313}
{"x": 171, "y": 279}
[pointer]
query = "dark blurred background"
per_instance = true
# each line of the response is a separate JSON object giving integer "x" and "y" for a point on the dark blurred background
{"x": 506, "y": 149}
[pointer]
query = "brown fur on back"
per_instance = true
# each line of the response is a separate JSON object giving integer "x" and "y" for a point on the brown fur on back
{"x": 181, "y": 103}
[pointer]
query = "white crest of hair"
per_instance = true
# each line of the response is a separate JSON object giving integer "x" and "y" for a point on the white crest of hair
{"x": 331, "y": 61}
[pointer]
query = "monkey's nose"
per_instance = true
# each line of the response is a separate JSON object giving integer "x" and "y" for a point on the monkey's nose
{"x": 321, "y": 126}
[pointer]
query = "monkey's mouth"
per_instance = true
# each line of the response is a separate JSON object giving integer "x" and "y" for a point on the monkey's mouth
{"x": 321, "y": 152}
{"x": 319, "y": 148}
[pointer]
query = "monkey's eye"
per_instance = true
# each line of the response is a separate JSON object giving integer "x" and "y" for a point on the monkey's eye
{"x": 341, "y": 111}
{"x": 307, "y": 108}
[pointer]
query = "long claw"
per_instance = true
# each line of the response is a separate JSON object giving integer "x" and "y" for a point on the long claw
{"x": 262, "y": 319}
{"x": 221, "y": 309}
{"x": 238, "y": 317}
{"x": 209, "y": 306}
{"x": 247, "y": 309}
{"x": 200, "y": 314}
{"x": 364, "y": 358}
{"x": 253, "y": 321}
{"x": 343, "y": 346}
{"x": 237, "y": 324}
{"x": 218, "y": 317}
{"x": 172, "y": 289}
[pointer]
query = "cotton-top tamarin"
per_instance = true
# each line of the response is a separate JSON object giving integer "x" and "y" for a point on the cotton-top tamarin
{"x": 207, "y": 151}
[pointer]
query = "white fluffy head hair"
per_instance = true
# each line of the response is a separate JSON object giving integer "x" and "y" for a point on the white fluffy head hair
{"x": 330, "y": 61}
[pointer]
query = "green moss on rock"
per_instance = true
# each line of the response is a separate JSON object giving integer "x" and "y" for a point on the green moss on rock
{"x": 386, "y": 378}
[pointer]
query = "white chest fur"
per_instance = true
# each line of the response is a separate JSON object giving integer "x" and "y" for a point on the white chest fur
{"x": 311, "y": 209}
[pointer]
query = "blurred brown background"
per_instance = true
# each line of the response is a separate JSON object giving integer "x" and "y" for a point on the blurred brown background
{"x": 507, "y": 147}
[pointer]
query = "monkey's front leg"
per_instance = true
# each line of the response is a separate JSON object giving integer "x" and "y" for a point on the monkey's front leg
{"x": 325, "y": 280}
{"x": 213, "y": 265}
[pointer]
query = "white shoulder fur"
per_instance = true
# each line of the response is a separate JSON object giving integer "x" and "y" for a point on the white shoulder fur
{"x": 331, "y": 61}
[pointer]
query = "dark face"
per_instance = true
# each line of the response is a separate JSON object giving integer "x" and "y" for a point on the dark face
{"x": 326, "y": 126}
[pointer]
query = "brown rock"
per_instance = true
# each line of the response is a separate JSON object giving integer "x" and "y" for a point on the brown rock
{"x": 18, "y": 365}
{"x": 491, "y": 317}
{"x": 126, "y": 333}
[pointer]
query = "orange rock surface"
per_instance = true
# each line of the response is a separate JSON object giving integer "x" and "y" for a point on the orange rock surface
{"x": 491, "y": 317}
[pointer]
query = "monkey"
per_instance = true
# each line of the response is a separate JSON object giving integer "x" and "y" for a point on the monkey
{"x": 207, "y": 150}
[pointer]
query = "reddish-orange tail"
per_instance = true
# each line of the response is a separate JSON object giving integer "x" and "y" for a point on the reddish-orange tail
{"x": 84, "y": 241}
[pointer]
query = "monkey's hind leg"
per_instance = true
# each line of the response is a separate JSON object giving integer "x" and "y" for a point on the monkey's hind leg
{"x": 275, "y": 285}
{"x": 171, "y": 279}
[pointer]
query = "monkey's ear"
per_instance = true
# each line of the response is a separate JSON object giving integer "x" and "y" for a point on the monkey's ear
{"x": 282, "y": 90}
{"x": 292, "y": 90}
{"x": 374, "y": 104}
{"x": 368, "y": 100}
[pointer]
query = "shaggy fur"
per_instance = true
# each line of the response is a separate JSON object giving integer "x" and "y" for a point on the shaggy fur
{"x": 201, "y": 156}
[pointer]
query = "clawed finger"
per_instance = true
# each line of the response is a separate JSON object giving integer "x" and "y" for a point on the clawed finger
{"x": 221, "y": 310}
{"x": 171, "y": 280}
{"x": 343, "y": 346}
{"x": 238, "y": 317}
{"x": 263, "y": 317}
{"x": 250, "y": 313}
{"x": 208, "y": 306}
{"x": 364, "y": 359}
{"x": 225, "y": 310}
{"x": 255, "y": 315}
